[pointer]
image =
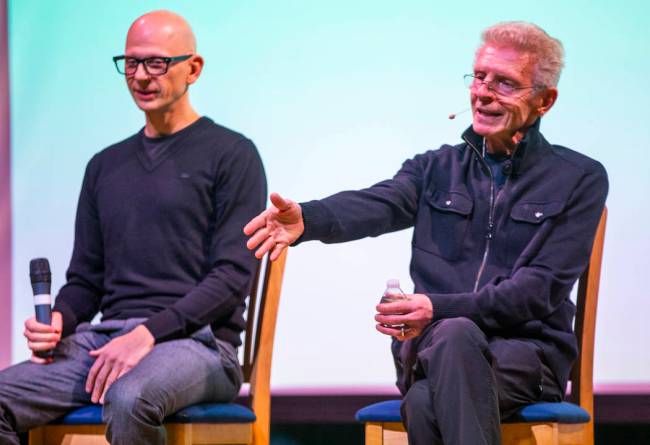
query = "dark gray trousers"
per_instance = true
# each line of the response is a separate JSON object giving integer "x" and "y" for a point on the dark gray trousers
{"x": 173, "y": 375}
{"x": 465, "y": 382}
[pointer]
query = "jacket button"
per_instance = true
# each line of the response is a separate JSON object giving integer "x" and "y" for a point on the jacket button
{"x": 506, "y": 170}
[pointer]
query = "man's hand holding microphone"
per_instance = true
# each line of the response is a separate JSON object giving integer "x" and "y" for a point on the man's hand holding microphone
{"x": 43, "y": 338}
{"x": 43, "y": 331}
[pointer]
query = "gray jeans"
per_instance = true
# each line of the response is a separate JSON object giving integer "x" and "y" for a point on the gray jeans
{"x": 173, "y": 375}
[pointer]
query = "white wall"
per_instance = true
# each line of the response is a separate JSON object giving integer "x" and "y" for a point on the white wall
{"x": 336, "y": 95}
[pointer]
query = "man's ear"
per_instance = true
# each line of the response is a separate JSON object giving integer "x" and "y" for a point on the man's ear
{"x": 196, "y": 66}
{"x": 547, "y": 100}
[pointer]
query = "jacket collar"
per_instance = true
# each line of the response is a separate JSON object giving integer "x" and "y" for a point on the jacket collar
{"x": 527, "y": 152}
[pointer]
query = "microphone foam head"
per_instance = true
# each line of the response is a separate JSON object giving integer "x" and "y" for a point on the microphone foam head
{"x": 39, "y": 270}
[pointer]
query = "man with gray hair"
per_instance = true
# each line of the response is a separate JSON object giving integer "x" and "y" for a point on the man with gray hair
{"x": 158, "y": 251}
{"x": 503, "y": 227}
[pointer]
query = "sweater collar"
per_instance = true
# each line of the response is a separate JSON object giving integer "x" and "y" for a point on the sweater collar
{"x": 527, "y": 152}
{"x": 176, "y": 143}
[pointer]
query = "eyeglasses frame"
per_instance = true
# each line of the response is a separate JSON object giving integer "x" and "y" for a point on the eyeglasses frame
{"x": 493, "y": 90}
{"x": 168, "y": 61}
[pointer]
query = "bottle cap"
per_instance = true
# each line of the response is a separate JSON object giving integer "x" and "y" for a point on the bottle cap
{"x": 392, "y": 283}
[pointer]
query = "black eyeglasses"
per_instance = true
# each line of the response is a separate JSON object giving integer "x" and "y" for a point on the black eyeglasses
{"x": 500, "y": 87}
{"x": 154, "y": 66}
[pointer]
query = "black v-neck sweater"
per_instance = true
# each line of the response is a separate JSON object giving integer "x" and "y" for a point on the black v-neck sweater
{"x": 162, "y": 239}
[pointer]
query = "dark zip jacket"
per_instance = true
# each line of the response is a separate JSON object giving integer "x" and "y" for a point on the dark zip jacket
{"x": 506, "y": 260}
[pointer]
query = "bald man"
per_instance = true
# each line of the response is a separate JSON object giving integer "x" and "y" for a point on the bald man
{"x": 158, "y": 252}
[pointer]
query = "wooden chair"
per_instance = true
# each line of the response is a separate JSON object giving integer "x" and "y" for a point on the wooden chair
{"x": 209, "y": 423}
{"x": 564, "y": 423}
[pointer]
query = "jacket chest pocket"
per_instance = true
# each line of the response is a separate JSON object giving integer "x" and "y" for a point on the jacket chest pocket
{"x": 442, "y": 223}
{"x": 527, "y": 223}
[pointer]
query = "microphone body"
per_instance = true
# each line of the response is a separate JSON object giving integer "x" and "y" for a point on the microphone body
{"x": 41, "y": 279}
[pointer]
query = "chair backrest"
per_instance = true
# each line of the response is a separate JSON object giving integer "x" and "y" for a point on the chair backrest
{"x": 258, "y": 341}
{"x": 582, "y": 386}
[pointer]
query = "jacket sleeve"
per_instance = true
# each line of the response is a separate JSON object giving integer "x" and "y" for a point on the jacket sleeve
{"x": 385, "y": 207}
{"x": 541, "y": 280}
{"x": 79, "y": 299}
{"x": 240, "y": 194}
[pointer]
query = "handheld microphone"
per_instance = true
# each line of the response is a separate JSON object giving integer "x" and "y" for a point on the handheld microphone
{"x": 453, "y": 115}
{"x": 41, "y": 279}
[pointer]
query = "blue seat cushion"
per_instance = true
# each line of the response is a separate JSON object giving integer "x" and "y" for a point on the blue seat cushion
{"x": 562, "y": 412}
{"x": 199, "y": 413}
{"x": 387, "y": 411}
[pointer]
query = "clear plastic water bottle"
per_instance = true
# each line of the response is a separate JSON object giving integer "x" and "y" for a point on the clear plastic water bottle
{"x": 392, "y": 293}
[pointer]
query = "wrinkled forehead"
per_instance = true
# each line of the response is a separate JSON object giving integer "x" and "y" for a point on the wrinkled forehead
{"x": 146, "y": 38}
{"x": 505, "y": 60}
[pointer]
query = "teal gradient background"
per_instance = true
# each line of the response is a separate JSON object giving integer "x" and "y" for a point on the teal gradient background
{"x": 336, "y": 95}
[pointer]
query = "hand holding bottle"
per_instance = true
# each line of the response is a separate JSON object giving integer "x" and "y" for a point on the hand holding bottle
{"x": 392, "y": 294}
{"x": 403, "y": 316}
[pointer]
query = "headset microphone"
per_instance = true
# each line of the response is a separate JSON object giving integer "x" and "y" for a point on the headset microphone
{"x": 453, "y": 115}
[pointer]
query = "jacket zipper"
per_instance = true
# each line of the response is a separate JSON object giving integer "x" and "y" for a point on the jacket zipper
{"x": 493, "y": 201}
{"x": 490, "y": 226}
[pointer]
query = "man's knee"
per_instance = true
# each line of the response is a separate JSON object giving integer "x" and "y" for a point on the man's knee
{"x": 127, "y": 401}
{"x": 456, "y": 327}
{"x": 457, "y": 332}
{"x": 452, "y": 340}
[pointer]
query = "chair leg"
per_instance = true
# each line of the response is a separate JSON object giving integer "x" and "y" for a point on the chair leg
{"x": 179, "y": 434}
{"x": 546, "y": 434}
{"x": 374, "y": 433}
{"x": 36, "y": 436}
{"x": 84, "y": 439}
